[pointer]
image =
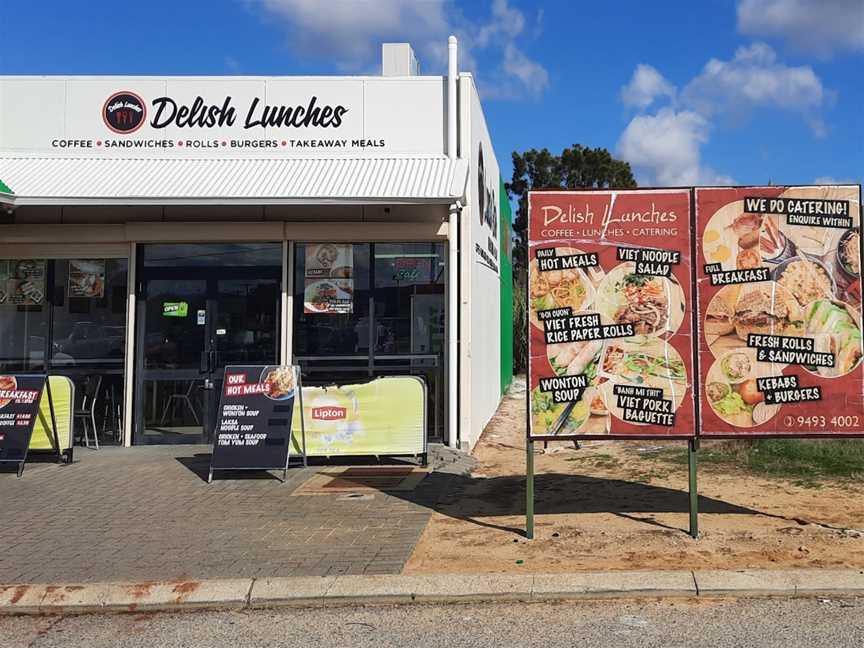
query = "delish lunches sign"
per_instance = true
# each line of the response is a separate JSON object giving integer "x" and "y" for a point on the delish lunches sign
{"x": 212, "y": 116}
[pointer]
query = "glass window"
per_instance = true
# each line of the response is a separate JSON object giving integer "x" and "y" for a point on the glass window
{"x": 331, "y": 312}
{"x": 89, "y": 312}
{"x": 409, "y": 298}
{"x": 24, "y": 314}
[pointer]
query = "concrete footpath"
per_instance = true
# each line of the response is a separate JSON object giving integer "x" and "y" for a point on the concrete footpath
{"x": 393, "y": 589}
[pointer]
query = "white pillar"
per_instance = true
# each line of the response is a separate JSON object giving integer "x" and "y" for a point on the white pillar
{"x": 129, "y": 364}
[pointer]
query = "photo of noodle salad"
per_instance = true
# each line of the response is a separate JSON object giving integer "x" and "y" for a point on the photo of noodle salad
{"x": 653, "y": 305}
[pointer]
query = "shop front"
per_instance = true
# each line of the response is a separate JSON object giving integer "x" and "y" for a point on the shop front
{"x": 141, "y": 255}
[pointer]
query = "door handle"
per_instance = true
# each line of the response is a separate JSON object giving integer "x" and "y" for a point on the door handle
{"x": 204, "y": 365}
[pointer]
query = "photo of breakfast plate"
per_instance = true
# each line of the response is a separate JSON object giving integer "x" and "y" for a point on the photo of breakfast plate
{"x": 736, "y": 311}
{"x": 733, "y": 238}
{"x": 731, "y": 389}
{"x": 552, "y": 289}
{"x": 653, "y": 305}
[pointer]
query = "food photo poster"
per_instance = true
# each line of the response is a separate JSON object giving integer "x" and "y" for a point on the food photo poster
{"x": 328, "y": 286}
{"x": 779, "y": 285}
{"x": 22, "y": 282}
{"x": 610, "y": 319}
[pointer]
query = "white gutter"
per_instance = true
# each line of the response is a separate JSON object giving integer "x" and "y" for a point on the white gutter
{"x": 453, "y": 259}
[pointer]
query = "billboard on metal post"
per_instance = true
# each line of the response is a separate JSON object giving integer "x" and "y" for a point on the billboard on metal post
{"x": 610, "y": 314}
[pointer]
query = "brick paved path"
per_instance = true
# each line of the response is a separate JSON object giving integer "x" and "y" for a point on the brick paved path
{"x": 147, "y": 513}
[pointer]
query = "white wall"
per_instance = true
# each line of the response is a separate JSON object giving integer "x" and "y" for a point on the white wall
{"x": 481, "y": 297}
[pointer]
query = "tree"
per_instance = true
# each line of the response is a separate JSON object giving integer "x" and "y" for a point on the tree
{"x": 578, "y": 167}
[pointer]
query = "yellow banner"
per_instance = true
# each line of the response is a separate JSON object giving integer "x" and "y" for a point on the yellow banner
{"x": 385, "y": 416}
{"x": 63, "y": 396}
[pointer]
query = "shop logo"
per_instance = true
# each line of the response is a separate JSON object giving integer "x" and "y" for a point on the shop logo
{"x": 124, "y": 112}
{"x": 487, "y": 205}
{"x": 329, "y": 413}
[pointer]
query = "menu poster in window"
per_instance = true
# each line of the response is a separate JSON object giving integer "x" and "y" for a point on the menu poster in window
{"x": 19, "y": 404}
{"x": 22, "y": 282}
{"x": 253, "y": 429}
{"x": 779, "y": 287}
{"x": 87, "y": 278}
{"x": 610, "y": 328}
{"x": 328, "y": 286}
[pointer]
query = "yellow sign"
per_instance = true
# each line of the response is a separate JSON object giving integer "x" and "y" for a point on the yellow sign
{"x": 63, "y": 396}
{"x": 385, "y": 416}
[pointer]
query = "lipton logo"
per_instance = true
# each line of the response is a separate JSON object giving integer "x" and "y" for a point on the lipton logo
{"x": 329, "y": 413}
{"x": 124, "y": 112}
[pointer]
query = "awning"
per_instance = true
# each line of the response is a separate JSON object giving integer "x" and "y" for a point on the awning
{"x": 6, "y": 195}
{"x": 123, "y": 181}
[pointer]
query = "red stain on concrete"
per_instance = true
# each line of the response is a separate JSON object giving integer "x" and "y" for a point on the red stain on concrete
{"x": 185, "y": 589}
{"x": 20, "y": 591}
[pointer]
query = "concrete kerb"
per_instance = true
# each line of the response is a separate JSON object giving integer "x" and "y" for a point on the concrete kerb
{"x": 388, "y": 590}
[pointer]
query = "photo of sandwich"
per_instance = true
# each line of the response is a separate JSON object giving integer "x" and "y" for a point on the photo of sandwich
{"x": 835, "y": 328}
{"x": 736, "y": 311}
{"x": 653, "y": 305}
{"x": 654, "y": 363}
{"x": 768, "y": 308}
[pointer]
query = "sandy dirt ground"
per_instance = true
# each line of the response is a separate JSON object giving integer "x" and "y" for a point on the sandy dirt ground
{"x": 609, "y": 505}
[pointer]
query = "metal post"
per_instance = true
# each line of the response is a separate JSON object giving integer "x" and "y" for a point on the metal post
{"x": 54, "y": 418}
{"x": 692, "y": 448}
{"x": 529, "y": 490}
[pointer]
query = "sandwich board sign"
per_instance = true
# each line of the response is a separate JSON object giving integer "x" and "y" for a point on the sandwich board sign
{"x": 253, "y": 427}
{"x": 19, "y": 407}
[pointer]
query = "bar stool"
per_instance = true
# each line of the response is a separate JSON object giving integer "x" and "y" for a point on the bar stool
{"x": 87, "y": 412}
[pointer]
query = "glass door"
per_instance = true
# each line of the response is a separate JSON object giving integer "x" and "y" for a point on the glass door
{"x": 200, "y": 308}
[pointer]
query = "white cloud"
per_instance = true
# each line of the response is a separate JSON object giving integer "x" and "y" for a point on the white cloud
{"x": 350, "y": 33}
{"x": 646, "y": 85}
{"x": 664, "y": 148}
{"x": 754, "y": 78}
{"x": 818, "y": 26}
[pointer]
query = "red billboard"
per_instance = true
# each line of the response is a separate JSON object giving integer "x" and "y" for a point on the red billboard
{"x": 779, "y": 292}
{"x": 610, "y": 314}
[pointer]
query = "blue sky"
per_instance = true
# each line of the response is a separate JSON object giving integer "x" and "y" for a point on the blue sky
{"x": 742, "y": 91}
